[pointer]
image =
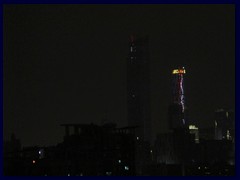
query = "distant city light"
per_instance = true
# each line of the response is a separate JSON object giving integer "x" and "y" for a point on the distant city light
{"x": 137, "y": 138}
{"x": 126, "y": 168}
{"x": 108, "y": 173}
{"x": 228, "y": 134}
{"x": 119, "y": 161}
{"x": 193, "y": 127}
{"x": 33, "y": 161}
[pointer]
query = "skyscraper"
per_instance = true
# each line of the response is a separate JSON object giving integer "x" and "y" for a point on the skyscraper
{"x": 177, "y": 109}
{"x": 138, "y": 87}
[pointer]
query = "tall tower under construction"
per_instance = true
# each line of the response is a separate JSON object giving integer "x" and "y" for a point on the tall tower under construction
{"x": 138, "y": 87}
{"x": 177, "y": 109}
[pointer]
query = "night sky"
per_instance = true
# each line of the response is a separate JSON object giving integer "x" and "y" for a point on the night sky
{"x": 67, "y": 64}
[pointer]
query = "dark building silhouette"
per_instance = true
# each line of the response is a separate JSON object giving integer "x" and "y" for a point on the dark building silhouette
{"x": 99, "y": 150}
{"x": 224, "y": 124}
{"x": 138, "y": 87}
{"x": 138, "y": 100}
{"x": 177, "y": 111}
{"x": 207, "y": 133}
{"x": 174, "y": 147}
{"x": 12, "y": 156}
{"x": 179, "y": 150}
{"x": 88, "y": 150}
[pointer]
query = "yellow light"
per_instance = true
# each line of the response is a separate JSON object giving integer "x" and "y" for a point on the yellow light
{"x": 179, "y": 71}
{"x": 192, "y": 127}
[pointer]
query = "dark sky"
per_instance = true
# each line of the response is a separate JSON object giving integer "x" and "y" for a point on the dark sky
{"x": 67, "y": 64}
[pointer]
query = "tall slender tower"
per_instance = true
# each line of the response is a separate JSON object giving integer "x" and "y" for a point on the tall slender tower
{"x": 177, "y": 110}
{"x": 138, "y": 87}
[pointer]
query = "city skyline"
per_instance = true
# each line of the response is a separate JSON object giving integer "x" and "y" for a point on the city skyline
{"x": 67, "y": 64}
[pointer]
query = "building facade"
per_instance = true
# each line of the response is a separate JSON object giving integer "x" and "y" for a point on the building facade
{"x": 138, "y": 87}
{"x": 224, "y": 124}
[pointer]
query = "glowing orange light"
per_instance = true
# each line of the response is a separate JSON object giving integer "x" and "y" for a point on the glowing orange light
{"x": 179, "y": 71}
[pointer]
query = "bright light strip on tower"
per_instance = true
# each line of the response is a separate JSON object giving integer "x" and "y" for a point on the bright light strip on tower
{"x": 179, "y": 71}
{"x": 181, "y": 93}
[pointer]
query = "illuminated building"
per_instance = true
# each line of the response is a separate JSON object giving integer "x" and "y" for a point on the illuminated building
{"x": 138, "y": 87}
{"x": 224, "y": 124}
{"x": 177, "y": 110}
{"x": 194, "y": 130}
